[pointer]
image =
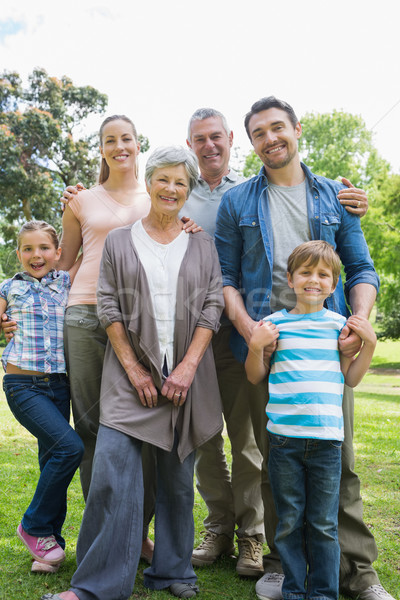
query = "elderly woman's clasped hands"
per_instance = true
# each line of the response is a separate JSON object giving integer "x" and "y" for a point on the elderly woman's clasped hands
{"x": 175, "y": 386}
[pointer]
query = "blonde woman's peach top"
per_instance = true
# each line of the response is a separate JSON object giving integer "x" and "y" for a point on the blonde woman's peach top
{"x": 98, "y": 213}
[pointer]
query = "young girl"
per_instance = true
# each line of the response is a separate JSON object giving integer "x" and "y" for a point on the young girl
{"x": 36, "y": 386}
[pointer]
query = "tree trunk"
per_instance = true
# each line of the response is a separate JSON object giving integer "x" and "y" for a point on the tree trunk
{"x": 26, "y": 207}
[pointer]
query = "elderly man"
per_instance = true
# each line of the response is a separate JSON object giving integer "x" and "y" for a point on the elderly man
{"x": 232, "y": 499}
{"x": 259, "y": 223}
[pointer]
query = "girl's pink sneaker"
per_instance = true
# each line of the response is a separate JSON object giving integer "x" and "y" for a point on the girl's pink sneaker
{"x": 43, "y": 549}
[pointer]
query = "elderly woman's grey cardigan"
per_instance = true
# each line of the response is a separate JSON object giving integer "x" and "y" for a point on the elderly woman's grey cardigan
{"x": 123, "y": 296}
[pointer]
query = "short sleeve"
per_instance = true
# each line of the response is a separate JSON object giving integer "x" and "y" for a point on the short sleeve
{"x": 66, "y": 279}
{"x": 76, "y": 205}
{"x": 342, "y": 324}
{"x": 5, "y": 288}
{"x": 273, "y": 317}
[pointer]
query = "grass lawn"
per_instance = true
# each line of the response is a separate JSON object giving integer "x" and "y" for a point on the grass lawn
{"x": 387, "y": 355}
{"x": 377, "y": 445}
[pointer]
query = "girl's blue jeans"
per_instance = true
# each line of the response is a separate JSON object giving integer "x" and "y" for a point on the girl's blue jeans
{"x": 305, "y": 481}
{"x": 41, "y": 404}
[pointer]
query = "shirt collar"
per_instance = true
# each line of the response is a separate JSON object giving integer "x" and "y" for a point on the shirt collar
{"x": 51, "y": 277}
{"x": 232, "y": 175}
{"x": 309, "y": 175}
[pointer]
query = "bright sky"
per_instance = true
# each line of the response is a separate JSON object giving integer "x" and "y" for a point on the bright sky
{"x": 159, "y": 60}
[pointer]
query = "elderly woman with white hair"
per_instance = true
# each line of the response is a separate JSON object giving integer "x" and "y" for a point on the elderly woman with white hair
{"x": 160, "y": 300}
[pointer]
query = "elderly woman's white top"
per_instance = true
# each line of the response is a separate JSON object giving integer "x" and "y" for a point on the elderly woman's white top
{"x": 161, "y": 263}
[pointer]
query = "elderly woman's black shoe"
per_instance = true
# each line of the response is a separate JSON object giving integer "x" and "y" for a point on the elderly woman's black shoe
{"x": 184, "y": 590}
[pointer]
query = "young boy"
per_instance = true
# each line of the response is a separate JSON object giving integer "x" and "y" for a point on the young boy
{"x": 305, "y": 426}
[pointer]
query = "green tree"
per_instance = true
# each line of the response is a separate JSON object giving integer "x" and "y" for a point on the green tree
{"x": 144, "y": 142}
{"x": 382, "y": 230}
{"x": 41, "y": 150}
{"x": 252, "y": 164}
{"x": 339, "y": 144}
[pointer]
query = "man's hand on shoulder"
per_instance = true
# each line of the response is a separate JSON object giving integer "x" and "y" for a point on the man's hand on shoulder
{"x": 190, "y": 226}
{"x": 354, "y": 199}
{"x": 69, "y": 193}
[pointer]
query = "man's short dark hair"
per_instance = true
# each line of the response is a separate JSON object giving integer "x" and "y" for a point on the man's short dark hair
{"x": 265, "y": 104}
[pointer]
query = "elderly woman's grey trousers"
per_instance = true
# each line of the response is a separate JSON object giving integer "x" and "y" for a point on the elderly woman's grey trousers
{"x": 110, "y": 538}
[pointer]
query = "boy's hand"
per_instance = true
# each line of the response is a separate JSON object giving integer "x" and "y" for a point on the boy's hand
{"x": 349, "y": 342}
{"x": 264, "y": 337}
{"x": 363, "y": 328}
{"x": 354, "y": 368}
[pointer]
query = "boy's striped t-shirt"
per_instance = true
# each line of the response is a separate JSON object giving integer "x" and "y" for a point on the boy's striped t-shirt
{"x": 305, "y": 381}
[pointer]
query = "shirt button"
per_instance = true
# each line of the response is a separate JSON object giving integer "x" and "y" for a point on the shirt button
{"x": 253, "y": 223}
{"x": 316, "y": 197}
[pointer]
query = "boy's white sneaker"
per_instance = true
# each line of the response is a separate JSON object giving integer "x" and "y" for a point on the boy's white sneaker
{"x": 375, "y": 592}
{"x": 269, "y": 587}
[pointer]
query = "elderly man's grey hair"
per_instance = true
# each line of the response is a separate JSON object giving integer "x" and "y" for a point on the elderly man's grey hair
{"x": 205, "y": 113}
{"x": 169, "y": 156}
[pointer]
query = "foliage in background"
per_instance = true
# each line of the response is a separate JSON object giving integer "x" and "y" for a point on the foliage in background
{"x": 43, "y": 149}
{"x": 39, "y": 154}
{"x": 339, "y": 144}
{"x": 382, "y": 230}
{"x": 252, "y": 165}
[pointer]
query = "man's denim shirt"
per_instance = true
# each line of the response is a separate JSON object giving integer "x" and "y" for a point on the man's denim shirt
{"x": 245, "y": 244}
